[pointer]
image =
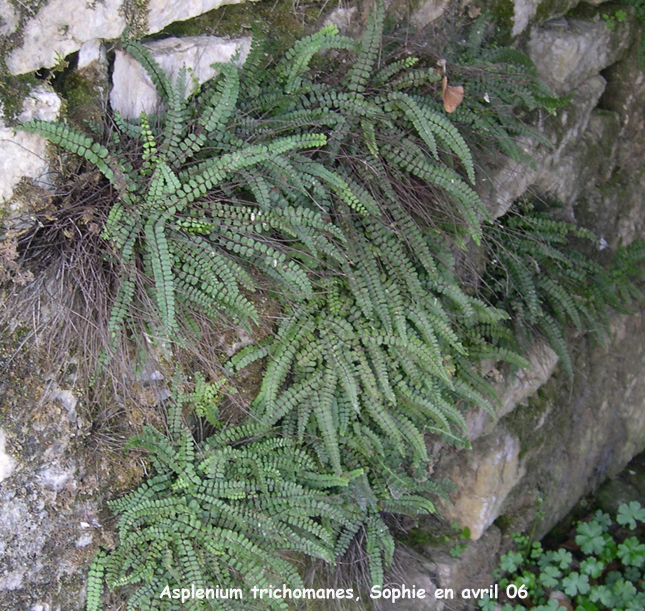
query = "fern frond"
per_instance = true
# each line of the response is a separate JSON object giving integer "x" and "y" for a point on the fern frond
{"x": 75, "y": 142}
{"x": 158, "y": 77}
{"x": 363, "y": 66}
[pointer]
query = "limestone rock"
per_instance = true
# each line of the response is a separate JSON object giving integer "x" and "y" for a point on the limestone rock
{"x": 8, "y": 18}
{"x": 573, "y": 436}
{"x": 626, "y": 194}
{"x": 518, "y": 15}
{"x": 507, "y": 182}
{"x": 512, "y": 391}
{"x": 588, "y": 160}
{"x": 133, "y": 91}
{"x": 429, "y": 11}
{"x": 564, "y": 132}
{"x": 624, "y": 95}
{"x": 568, "y": 125}
{"x": 538, "y": 11}
{"x": 566, "y": 57}
{"x": 412, "y": 571}
{"x": 526, "y": 382}
{"x": 91, "y": 51}
{"x": 54, "y": 498}
{"x": 43, "y": 507}
{"x": 7, "y": 462}
{"x": 342, "y": 18}
{"x": 615, "y": 209}
{"x": 471, "y": 569}
{"x": 60, "y": 27}
{"x": 486, "y": 474}
{"x": 24, "y": 155}
{"x": 41, "y": 104}
{"x": 162, "y": 12}
{"x": 628, "y": 486}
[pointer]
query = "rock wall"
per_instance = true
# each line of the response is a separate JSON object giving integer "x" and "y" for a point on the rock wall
{"x": 553, "y": 440}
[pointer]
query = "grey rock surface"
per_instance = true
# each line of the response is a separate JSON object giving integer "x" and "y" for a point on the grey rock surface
{"x": 414, "y": 572}
{"x": 570, "y": 445}
{"x": 485, "y": 476}
{"x": 162, "y": 12}
{"x": 132, "y": 90}
{"x": 61, "y": 27}
{"x": 8, "y": 18}
{"x": 565, "y": 131}
{"x": 565, "y": 57}
{"x": 429, "y": 11}
{"x": 24, "y": 155}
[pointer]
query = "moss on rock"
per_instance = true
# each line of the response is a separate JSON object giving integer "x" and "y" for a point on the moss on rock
{"x": 286, "y": 21}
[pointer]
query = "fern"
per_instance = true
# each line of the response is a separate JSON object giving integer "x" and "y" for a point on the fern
{"x": 223, "y": 513}
{"x": 540, "y": 272}
{"x": 502, "y": 84}
{"x": 370, "y": 48}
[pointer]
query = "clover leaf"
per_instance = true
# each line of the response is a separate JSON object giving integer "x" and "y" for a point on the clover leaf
{"x": 576, "y": 584}
{"x": 609, "y": 551}
{"x": 486, "y": 603}
{"x": 511, "y": 561}
{"x": 552, "y": 605}
{"x": 629, "y": 514}
{"x": 602, "y": 518}
{"x": 602, "y": 595}
{"x": 632, "y": 552}
{"x": 637, "y": 603}
{"x": 590, "y": 538}
{"x": 549, "y": 576}
{"x": 624, "y": 591}
{"x": 536, "y": 550}
{"x": 563, "y": 558}
{"x": 592, "y": 567}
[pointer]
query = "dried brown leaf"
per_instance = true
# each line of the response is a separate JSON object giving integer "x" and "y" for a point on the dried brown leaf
{"x": 452, "y": 96}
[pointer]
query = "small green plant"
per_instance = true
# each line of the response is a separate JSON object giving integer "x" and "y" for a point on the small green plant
{"x": 458, "y": 549}
{"x": 221, "y": 512}
{"x": 612, "y": 19}
{"x": 462, "y": 535}
{"x": 605, "y": 571}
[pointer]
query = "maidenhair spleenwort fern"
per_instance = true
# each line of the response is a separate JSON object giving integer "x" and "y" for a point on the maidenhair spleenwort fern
{"x": 306, "y": 185}
{"x": 348, "y": 198}
{"x": 541, "y": 272}
{"x": 189, "y": 241}
{"x": 502, "y": 85}
{"x": 225, "y": 179}
{"x": 236, "y": 511}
